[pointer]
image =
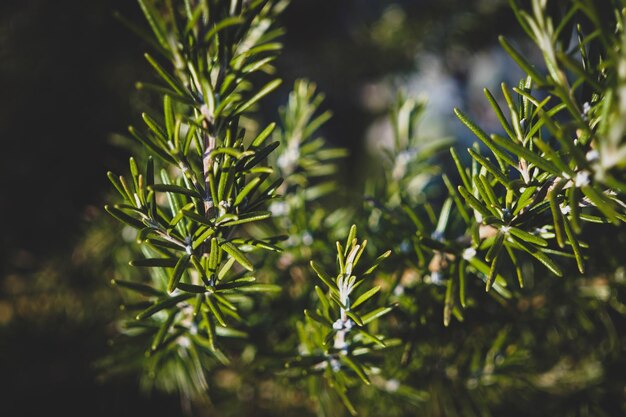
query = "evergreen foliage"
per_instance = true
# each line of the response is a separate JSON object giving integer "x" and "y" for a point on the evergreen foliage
{"x": 236, "y": 222}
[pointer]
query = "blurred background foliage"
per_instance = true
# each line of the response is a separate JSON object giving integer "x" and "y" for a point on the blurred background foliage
{"x": 67, "y": 74}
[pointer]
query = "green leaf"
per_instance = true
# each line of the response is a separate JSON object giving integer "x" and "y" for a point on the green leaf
{"x": 557, "y": 216}
{"x": 223, "y": 24}
{"x": 137, "y": 287}
{"x": 210, "y": 328}
{"x": 574, "y": 204}
{"x": 346, "y": 401}
{"x": 192, "y": 288}
{"x": 594, "y": 219}
{"x": 365, "y": 296}
{"x": 553, "y": 157}
{"x": 235, "y": 283}
{"x": 371, "y": 338}
{"x": 498, "y": 284}
{"x": 315, "y": 124}
{"x": 483, "y": 137}
{"x": 325, "y": 277}
{"x": 179, "y": 215}
{"x": 193, "y": 15}
{"x": 169, "y": 79}
{"x": 163, "y": 330}
{"x": 197, "y": 263}
{"x": 355, "y": 317}
{"x": 540, "y": 256}
{"x": 265, "y": 90}
{"x": 522, "y": 62}
{"x": 155, "y": 262}
{"x": 118, "y": 186}
{"x": 190, "y": 136}
{"x": 123, "y": 217}
{"x": 198, "y": 218}
{"x": 259, "y": 64}
{"x": 160, "y": 90}
{"x": 215, "y": 309}
{"x": 249, "y": 188}
{"x": 602, "y": 203}
{"x": 224, "y": 109}
{"x": 152, "y": 145}
{"x": 163, "y": 304}
{"x": 462, "y": 283}
{"x": 494, "y": 250}
{"x": 493, "y": 270}
{"x": 320, "y": 319}
{"x": 579, "y": 71}
{"x": 324, "y": 300}
{"x": 524, "y": 199}
{"x": 248, "y": 217}
{"x": 516, "y": 265}
{"x": 350, "y": 239}
{"x": 411, "y": 214}
{"x": 377, "y": 263}
{"x": 493, "y": 170}
{"x": 145, "y": 35}
{"x": 258, "y": 141}
{"x": 524, "y": 153}
{"x": 263, "y": 244}
{"x": 224, "y": 150}
{"x": 230, "y": 332}
{"x": 165, "y": 244}
{"x": 179, "y": 269}
{"x": 260, "y": 155}
{"x": 444, "y": 216}
{"x": 200, "y": 238}
{"x": 156, "y": 23}
{"x": 222, "y": 300}
{"x": 461, "y": 169}
{"x": 455, "y": 197}
{"x": 448, "y": 304}
{"x": 487, "y": 194}
{"x": 317, "y": 191}
{"x": 214, "y": 256}
{"x": 260, "y": 288}
{"x": 240, "y": 59}
{"x": 168, "y": 112}
{"x": 356, "y": 367}
{"x": 234, "y": 251}
{"x": 515, "y": 118}
{"x": 496, "y": 108}
{"x": 528, "y": 237}
{"x": 533, "y": 213}
{"x": 573, "y": 240}
{"x": 374, "y": 314}
{"x": 177, "y": 189}
{"x": 226, "y": 180}
{"x": 474, "y": 202}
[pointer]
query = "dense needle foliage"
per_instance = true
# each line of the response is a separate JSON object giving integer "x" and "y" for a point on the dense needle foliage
{"x": 262, "y": 286}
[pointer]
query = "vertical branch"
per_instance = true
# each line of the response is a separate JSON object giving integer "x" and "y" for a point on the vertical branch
{"x": 209, "y": 142}
{"x": 342, "y": 324}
